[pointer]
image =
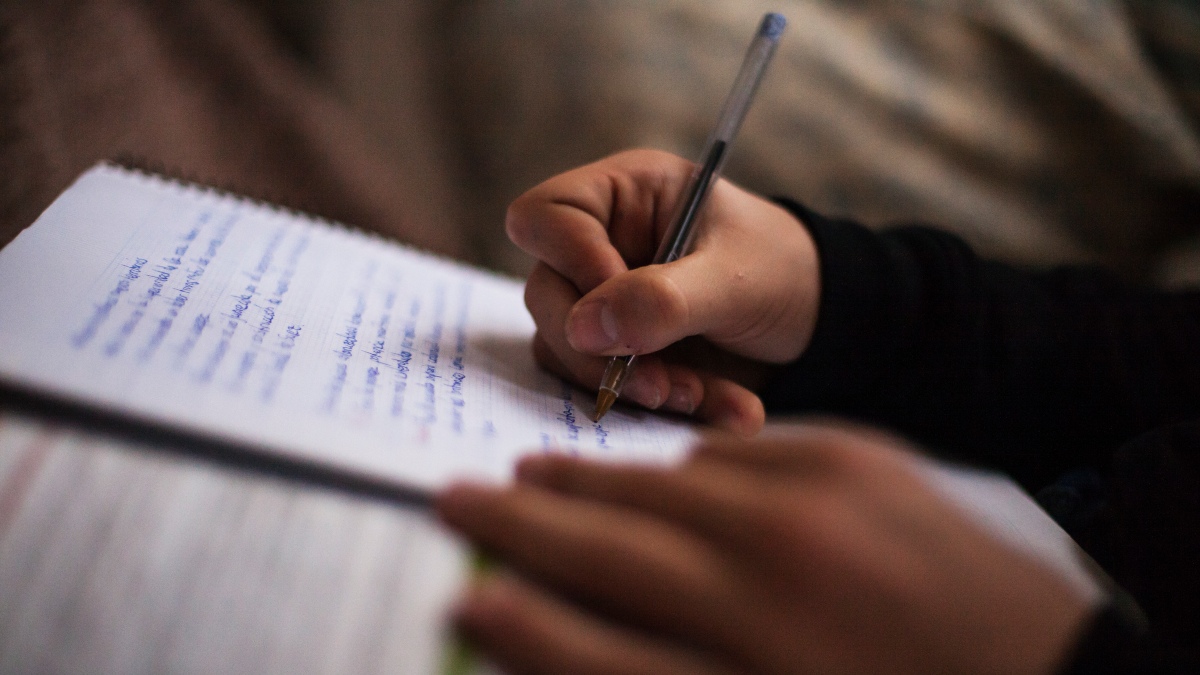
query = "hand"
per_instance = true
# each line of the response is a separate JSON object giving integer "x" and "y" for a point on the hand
{"x": 750, "y": 286}
{"x": 821, "y": 551}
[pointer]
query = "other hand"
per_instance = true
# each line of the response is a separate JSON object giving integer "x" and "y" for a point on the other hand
{"x": 820, "y": 551}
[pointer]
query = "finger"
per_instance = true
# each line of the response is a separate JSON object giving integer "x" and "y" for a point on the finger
{"x": 818, "y": 447}
{"x": 649, "y": 308}
{"x": 722, "y": 403}
{"x": 797, "y": 452}
{"x": 710, "y": 500}
{"x": 727, "y": 405}
{"x": 549, "y": 297}
{"x": 565, "y": 237}
{"x": 525, "y": 630}
{"x": 645, "y": 389}
{"x": 587, "y": 222}
{"x": 546, "y": 358}
{"x": 641, "y": 569}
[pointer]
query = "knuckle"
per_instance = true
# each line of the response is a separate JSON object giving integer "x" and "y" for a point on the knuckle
{"x": 658, "y": 300}
{"x": 639, "y": 155}
{"x": 561, "y": 472}
{"x": 652, "y": 157}
{"x": 792, "y": 535}
{"x": 833, "y": 445}
{"x": 854, "y": 454}
{"x": 776, "y": 524}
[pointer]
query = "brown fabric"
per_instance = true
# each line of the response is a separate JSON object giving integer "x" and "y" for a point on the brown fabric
{"x": 1040, "y": 130}
{"x": 196, "y": 85}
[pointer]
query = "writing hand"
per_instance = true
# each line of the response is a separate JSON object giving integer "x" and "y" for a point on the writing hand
{"x": 817, "y": 552}
{"x": 750, "y": 286}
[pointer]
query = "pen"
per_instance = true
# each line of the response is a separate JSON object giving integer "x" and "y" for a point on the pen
{"x": 678, "y": 238}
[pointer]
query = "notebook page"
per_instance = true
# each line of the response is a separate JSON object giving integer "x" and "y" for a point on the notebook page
{"x": 219, "y": 315}
{"x": 117, "y": 558}
{"x": 995, "y": 502}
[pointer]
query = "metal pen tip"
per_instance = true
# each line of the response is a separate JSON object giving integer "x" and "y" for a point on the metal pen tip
{"x": 604, "y": 401}
{"x": 610, "y": 384}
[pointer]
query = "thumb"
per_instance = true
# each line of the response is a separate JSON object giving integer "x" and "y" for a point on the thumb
{"x": 648, "y": 308}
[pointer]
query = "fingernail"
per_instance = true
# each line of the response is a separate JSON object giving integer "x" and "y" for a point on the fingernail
{"x": 592, "y": 327}
{"x": 642, "y": 391}
{"x": 681, "y": 400}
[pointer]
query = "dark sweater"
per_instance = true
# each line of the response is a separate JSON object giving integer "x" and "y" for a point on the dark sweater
{"x": 1048, "y": 376}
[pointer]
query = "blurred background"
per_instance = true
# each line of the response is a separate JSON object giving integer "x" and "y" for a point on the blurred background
{"x": 1042, "y": 130}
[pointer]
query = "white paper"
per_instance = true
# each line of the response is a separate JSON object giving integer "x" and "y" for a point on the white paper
{"x": 118, "y": 558}
{"x": 300, "y": 338}
{"x": 1008, "y": 513}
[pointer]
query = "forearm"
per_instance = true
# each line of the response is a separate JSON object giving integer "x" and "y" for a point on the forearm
{"x": 1031, "y": 372}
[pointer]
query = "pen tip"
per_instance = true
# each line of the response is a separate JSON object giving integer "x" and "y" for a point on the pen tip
{"x": 604, "y": 401}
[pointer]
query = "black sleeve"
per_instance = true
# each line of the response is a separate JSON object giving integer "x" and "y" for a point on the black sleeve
{"x": 1033, "y": 373}
{"x": 1112, "y": 645}
{"x": 1030, "y": 372}
{"x": 1150, "y": 529}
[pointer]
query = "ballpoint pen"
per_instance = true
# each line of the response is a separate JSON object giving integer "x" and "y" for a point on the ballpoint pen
{"x": 678, "y": 239}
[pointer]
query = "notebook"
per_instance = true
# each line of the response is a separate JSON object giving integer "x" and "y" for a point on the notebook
{"x": 291, "y": 337}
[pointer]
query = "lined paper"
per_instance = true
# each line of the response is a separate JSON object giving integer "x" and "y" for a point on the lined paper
{"x": 117, "y": 558}
{"x": 306, "y": 340}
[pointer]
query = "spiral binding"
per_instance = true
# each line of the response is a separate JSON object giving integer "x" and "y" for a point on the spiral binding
{"x": 176, "y": 175}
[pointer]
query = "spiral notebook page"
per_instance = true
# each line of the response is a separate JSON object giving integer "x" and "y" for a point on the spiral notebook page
{"x": 293, "y": 337}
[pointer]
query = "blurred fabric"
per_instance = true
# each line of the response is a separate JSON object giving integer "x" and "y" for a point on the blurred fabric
{"x": 199, "y": 88}
{"x": 1042, "y": 130}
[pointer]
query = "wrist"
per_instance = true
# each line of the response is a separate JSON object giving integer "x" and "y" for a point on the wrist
{"x": 853, "y": 334}
{"x": 771, "y": 274}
